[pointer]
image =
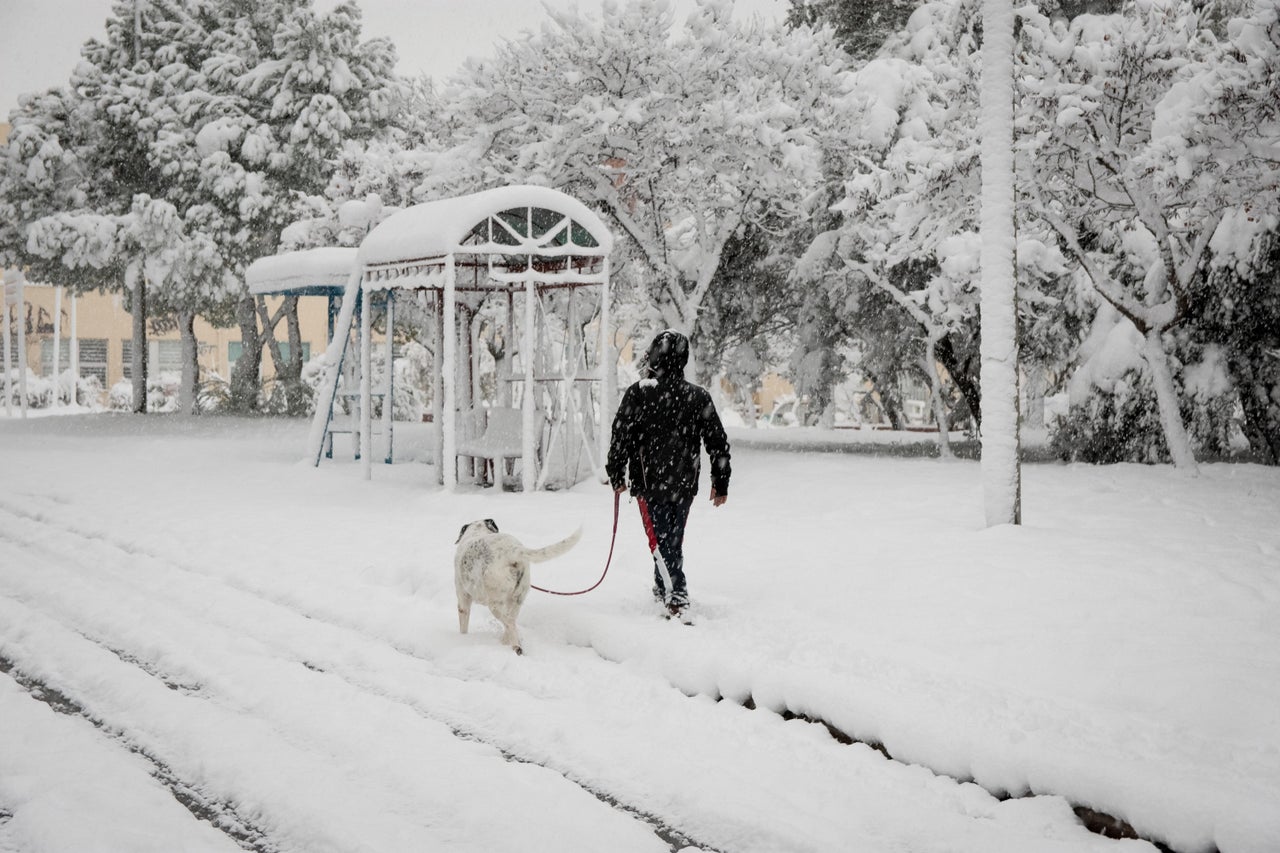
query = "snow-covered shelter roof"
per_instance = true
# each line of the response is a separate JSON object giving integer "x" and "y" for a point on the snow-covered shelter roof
{"x": 308, "y": 272}
{"x": 516, "y": 221}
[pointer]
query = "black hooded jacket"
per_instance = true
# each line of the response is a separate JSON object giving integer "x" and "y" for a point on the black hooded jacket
{"x": 662, "y": 424}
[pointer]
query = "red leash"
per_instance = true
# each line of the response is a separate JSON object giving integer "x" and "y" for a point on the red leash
{"x": 617, "y": 498}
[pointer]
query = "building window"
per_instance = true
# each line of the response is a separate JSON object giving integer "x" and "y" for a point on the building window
{"x": 166, "y": 356}
{"x": 236, "y": 348}
{"x": 162, "y": 357}
{"x": 126, "y": 357}
{"x": 306, "y": 351}
{"x": 93, "y": 358}
{"x": 46, "y": 357}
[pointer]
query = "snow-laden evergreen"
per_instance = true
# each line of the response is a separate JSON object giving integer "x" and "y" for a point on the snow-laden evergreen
{"x": 224, "y": 116}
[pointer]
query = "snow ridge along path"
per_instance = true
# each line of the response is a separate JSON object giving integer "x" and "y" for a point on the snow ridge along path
{"x": 283, "y": 640}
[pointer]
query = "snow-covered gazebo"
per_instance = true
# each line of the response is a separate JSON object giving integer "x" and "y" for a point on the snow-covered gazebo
{"x": 520, "y": 243}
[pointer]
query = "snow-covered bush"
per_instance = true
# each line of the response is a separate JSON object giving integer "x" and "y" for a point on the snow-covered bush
{"x": 88, "y": 390}
{"x": 214, "y": 393}
{"x": 312, "y": 376}
{"x": 41, "y": 390}
{"x": 120, "y": 396}
{"x": 162, "y": 394}
{"x": 1113, "y": 415}
{"x": 412, "y": 382}
{"x": 1109, "y": 427}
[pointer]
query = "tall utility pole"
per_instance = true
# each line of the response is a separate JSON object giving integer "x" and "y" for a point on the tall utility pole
{"x": 1001, "y": 472}
{"x": 138, "y": 361}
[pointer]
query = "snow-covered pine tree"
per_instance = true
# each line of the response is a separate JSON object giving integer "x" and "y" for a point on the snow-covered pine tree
{"x": 227, "y": 111}
{"x": 292, "y": 88}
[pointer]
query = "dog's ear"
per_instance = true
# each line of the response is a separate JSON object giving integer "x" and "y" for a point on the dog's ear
{"x": 461, "y": 533}
{"x": 491, "y": 524}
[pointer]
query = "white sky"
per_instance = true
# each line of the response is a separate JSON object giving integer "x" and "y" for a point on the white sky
{"x": 40, "y": 39}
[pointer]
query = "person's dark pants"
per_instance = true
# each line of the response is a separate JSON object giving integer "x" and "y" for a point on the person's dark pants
{"x": 664, "y": 523}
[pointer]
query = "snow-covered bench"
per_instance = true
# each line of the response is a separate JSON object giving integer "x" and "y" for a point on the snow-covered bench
{"x": 501, "y": 440}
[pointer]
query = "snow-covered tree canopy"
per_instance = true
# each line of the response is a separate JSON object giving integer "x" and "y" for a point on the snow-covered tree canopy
{"x": 681, "y": 135}
{"x": 1145, "y": 152}
{"x": 1153, "y": 150}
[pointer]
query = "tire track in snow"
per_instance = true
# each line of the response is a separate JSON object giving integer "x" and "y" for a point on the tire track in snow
{"x": 218, "y": 813}
{"x": 200, "y": 805}
{"x": 1096, "y": 821}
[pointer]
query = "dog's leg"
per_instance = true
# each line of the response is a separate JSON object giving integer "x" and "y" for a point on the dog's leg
{"x": 464, "y": 612}
{"x": 510, "y": 635}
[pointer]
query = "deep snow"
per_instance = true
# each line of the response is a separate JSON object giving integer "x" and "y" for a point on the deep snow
{"x": 278, "y": 643}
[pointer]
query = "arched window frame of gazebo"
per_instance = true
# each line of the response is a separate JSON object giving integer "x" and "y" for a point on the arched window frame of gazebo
{"x": 424, "y": 246}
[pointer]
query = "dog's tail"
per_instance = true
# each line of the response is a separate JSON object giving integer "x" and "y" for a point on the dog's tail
{"x": 538, "y": 555}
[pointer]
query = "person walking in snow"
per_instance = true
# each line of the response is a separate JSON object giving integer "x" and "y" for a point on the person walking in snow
{"x": 662, "y": 424}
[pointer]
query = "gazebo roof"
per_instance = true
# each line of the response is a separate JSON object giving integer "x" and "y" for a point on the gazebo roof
{"x": 516, "y": 220}
{"x": 308, "y": 272}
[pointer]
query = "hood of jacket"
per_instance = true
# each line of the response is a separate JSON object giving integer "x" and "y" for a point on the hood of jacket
{"x": 668, "y": 355}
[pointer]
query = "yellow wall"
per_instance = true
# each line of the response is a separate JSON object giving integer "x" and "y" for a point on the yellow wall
{"x": 102, "y": 316}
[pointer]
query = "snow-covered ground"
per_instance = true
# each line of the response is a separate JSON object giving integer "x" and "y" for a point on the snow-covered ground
{"x": 212, "y": 622}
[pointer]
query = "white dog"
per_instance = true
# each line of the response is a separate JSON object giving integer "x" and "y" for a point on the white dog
{"x": 492, "y": 568}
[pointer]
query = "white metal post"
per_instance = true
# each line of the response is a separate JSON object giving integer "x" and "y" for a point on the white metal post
{"x": 8, "y": 355}
{"x": 75, "y": 354}
{"x": 508, "y": 345}
{"x": 998, "y": 307}
{"x": 334, "y": 357}
{"x": 607, "y": 375}
{"x": 22, "y": 343}
{"x": 527, "y": 450}
{"x": 388, "y": 388}
{"x": 366, "y": 382}
{"x": 449, "y": 371}
{"x": 437, "y": 381}
{"x": 57, "y": 346}
{"x": 9, "y": 297}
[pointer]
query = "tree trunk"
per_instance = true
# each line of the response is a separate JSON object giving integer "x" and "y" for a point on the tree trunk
{"x": 138, "y": 360}
{"x": 1175, "y": 433}
{"x": 749, "y": 406}
{"x": 288, "y": 371}
{"x": 190, "y": 363}
{"x": 1035, "y": 396}
{"x": 888, "y": 401}
{"x": 960, "y": 368}
{"x": 244, "y": 379}
{"x": 298, "y": 393}
{"x": 939, "y": 407}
